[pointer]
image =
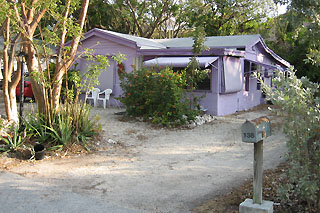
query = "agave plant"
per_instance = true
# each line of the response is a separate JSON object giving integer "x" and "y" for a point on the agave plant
{"x": 12, "y": 143}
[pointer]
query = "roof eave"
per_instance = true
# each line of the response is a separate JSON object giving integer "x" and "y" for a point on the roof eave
{"x": 273, "y": 54}
{"x": 106, "y": 35}
{"x": 188, "y": 51}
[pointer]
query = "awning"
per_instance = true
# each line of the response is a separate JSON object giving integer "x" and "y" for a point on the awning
{"x": 179, "y": 61}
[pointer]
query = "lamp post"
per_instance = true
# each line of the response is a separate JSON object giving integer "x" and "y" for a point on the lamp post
{"x": 22, "y": 55}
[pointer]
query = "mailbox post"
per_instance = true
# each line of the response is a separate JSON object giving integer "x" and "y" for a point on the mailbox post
{"x": 255, "y": 131}
{"x": 258, "y": 170}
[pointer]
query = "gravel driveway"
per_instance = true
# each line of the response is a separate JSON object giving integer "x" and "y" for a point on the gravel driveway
{"x": 142, "y": 169}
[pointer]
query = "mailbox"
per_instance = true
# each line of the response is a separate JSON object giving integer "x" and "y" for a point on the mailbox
{"x": 256, "y": 130}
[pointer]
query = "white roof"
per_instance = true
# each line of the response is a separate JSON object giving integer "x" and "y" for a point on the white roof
{"x": 180, "y": 61}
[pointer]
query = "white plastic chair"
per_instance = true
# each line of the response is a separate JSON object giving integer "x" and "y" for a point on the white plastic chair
{"x": 93, "y": 95}
{"x": 104, "y": 96}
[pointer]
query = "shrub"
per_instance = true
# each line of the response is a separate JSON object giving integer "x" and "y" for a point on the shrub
{"x": 157, "y": 95}
{"x": 301, "y": 109}
{"x": 69, "y": 125}
{"x": 12, "y": 142}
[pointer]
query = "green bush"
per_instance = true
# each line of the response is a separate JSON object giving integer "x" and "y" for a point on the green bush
{"x": 300, "y": 107}
{"x": 71, "y": 124}
{"x": 12, "y": 142}
{"x": 157, "y": 95}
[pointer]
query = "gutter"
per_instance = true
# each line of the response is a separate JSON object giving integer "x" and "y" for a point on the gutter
{"x": 189, "y": 52}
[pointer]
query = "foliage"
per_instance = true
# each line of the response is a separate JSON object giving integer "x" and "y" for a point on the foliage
{"x": 69, "y": 81}
{"x": 71, "y": 124}
{"x": 289, "y": 36}
{"x": 12, "y": 142}
{"x": 136, "y": 17}
{"x": 220, "y": 17}
{"x": 88, "y": 80}
{"x": 157, "y": 95}
{"x": 296, "y": 37}
{"x": 195, "y": 74}
{"x": 169, "y": 19}
{"x": 118, "y": 58}
{"x": 2, "y": 124}
{"x": 309, "y": 10}
{"x": 75, "y": 82}
{"x": 62, "y": 130}
{"x": 300, "y": 107}
{"x": 87, "y": 127}
{"x": 161, "y": 95}
{"x": 35, "y": 127}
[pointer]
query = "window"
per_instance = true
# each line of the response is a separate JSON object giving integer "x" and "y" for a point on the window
{"x": 256, "y": 67}
{"x": 247, "y": 81}
{"x": 247, "y": 65}
{"x": 205, "y": 84}
{"x": 259, "y": 83}
{"x": 181, "y": 62}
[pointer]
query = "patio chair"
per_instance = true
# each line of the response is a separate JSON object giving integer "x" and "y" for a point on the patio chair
{"x": 93, "y": 94}
{"x": 104, "y": 96}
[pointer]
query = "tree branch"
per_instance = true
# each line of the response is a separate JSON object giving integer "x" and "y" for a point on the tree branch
{"x": 33, "y": 2}
{"x": 1, "y": 28}
{"x": 12, "y": 55}
{"x": 17, "y": 15}
{"x": 64, "y": 65}
{"x": 63, "y": 35}
{"x": 157, "y": 21}
{"x": 135, "y": 18}
{"x": 36, "y": 20}
{"x": 24, "y": 13}
{"x": 81, "y": 21}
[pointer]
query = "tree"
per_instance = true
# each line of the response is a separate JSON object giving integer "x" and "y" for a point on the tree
{"x": 10, "y": 78}
{"x": 295, "y": 37}
{"x": 289, "y": 37}
{"x": 22, "y": 18}
{"x": 136, "y": 17}
{"x": 221, "y": 17}
{"x": 172, "y": 18}
{"x": 310, "y": 11}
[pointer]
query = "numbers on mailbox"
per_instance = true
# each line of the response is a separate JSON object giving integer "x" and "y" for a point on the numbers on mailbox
{"x": 248, "y": 135}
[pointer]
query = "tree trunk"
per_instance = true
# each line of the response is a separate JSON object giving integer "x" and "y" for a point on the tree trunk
{"x": 9, "y": 84}
{"x": 65, "y": 64}
{"x": 13, "y": 103}
{"x": 6, "y": 36}
{"x": 37, "y": 87}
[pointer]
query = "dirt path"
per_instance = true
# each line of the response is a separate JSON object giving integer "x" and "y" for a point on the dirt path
{"x": 153, "y": 170}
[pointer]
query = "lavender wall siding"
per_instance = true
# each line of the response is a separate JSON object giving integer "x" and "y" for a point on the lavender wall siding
{"x": 242, "y": 100}
{"x": 108, "y": 47}
{"x": 228, "y": 103}
{"x": 105, "y": 46}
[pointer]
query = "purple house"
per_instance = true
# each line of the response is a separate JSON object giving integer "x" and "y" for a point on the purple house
{"x": 230, "y": 86}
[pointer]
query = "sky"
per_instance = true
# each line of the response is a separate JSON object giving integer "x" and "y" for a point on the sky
{"x": 282, "y": 9}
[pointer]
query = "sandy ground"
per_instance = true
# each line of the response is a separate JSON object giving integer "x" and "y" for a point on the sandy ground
{"x": 147, "y": 170}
